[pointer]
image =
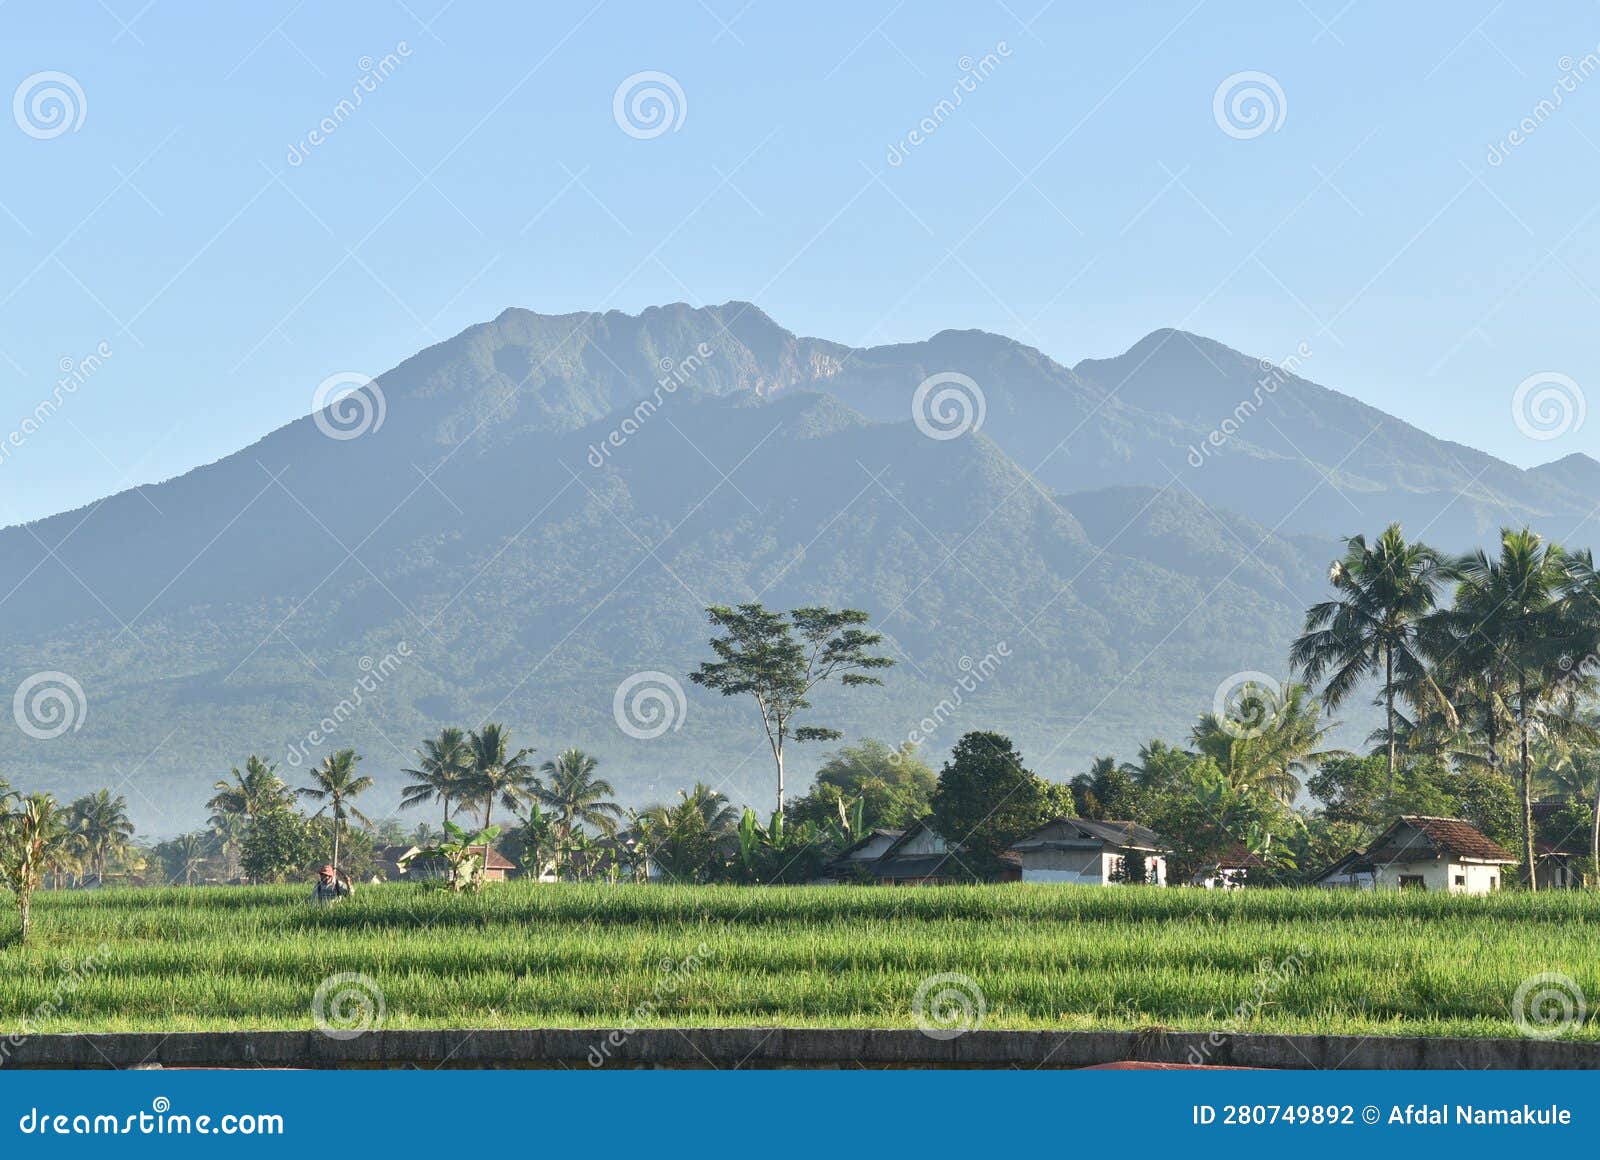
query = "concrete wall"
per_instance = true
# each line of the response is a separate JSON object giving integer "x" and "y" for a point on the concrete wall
{"x": 768, "y": 1048}
{"x": 1084, "y": 867}
{"x": 1442, "y": 876}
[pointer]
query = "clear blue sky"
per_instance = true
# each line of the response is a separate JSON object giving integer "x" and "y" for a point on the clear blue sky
{"x": 1082, "y": 195}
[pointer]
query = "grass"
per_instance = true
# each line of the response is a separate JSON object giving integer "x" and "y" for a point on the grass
{"x": 529, "y": 955}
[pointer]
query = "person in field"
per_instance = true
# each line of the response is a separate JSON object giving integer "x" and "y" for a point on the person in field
{"x": 331, "y": 885}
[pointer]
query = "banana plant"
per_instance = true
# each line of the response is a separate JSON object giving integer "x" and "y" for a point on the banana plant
{"x": 462, "y": 853}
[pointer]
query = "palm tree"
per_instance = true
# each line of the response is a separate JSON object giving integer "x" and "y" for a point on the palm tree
{"x": 31, "y": 838}
{"x": 1512, "y": 625}
{"x": 575, "y": 797}
{"x": 1285, "y": 738}
{"x": 686, "y": 840}
{"x": 496, "y": 775}
{"x": 251, "y": 793}
{"x": 444, "y": 764}
{"x": 335, "y": 785}
{"x": 102, "y": 824}
{"x": 187, "y": 853}
{"x": 1384, "y": 593}
{"x": 227, "y": 835}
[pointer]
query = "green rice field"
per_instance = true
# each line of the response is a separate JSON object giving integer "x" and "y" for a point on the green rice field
{"x": 530, "y": 955}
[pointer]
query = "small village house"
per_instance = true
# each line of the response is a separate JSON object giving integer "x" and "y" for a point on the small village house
{"x": 390, "y": 865}
{"x": 1416, "y": 852}
{"x": 1231, "y": 870}
{"x": 1559, "y": 850}
{"x": 850, "y": 865}
{"x": 1095, "y": 853}
{"x": 1352, "y": 872}
{"x": 919, "y": 856}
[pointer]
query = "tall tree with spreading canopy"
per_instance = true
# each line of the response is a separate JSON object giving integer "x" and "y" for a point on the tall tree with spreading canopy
{"x": 336, "y": 784}
{"x": 780, "y": 658}
{"x": 1384, "y": 594}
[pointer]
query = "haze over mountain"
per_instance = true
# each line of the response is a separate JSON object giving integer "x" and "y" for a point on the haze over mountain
{"x": 504, "y": 546}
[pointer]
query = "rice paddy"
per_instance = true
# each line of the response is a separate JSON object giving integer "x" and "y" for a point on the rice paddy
{"x": 529, "y": 955}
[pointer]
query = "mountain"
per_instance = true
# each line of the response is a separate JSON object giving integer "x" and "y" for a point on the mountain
{"x": 549, "y": 502}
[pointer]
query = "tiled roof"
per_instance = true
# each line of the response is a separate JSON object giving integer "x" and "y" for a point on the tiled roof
{"x": 1444, "y": 835}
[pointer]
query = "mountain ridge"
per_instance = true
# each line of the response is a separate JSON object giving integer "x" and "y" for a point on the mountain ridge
{"x": 223, "y": 611}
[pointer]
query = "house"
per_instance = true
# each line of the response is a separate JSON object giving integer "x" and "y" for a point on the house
{"x": 1229, "y": 871}
{"x": 390, "y": 864}
{"x": 1558, "y": 851}
{"x": 497, "y": 867}
{"x": 1418, "y": 852}
{"x": 917, "y": 856}
{"x": 1091, "y": 852}
{"x": 1352, "y": 872}
{"x": 850, "y": 866}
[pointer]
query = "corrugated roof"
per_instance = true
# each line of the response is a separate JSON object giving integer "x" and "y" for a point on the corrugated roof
{"x": 1093, "y": 832}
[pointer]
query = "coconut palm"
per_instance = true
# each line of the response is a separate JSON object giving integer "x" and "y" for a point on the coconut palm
{"x": 444, "y": 764}
{"x": 496, "y": 775}
{"x": 1384, "y": 594}
{"x": 251, "y": 793}
{"x": 184, "y": 855}
{"x": 1513, "y": 625}
{"x": 688, "y": 840}
{"x": 1278, "y": 736}
{"x": 227, "y": 837}
{"x": 102, "y": 824}
{"x": 575, "y": 798}
{"x": 336, "y": 784}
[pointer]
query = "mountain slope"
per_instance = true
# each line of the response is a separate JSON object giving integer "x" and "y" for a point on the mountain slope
{"x": 551, "y": 501}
